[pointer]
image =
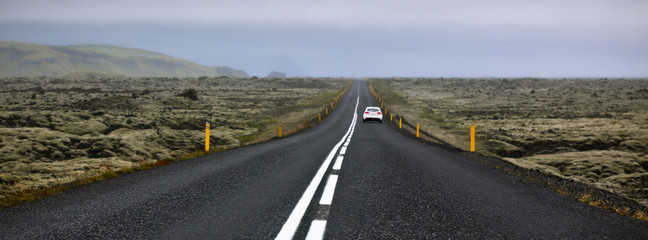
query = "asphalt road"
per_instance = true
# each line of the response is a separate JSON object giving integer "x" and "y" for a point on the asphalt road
{"x": 343, "y": 179}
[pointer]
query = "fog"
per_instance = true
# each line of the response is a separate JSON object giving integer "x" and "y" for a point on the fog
{"x": 360, "y": 38}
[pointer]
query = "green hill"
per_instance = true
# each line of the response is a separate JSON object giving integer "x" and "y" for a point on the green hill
{"x": 30, "y": 60}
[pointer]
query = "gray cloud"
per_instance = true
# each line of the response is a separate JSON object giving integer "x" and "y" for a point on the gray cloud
{"x": 376, "y": 38}
{"x": 341, "y": 13}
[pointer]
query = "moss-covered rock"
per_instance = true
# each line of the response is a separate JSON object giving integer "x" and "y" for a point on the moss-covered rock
{"x": 83, "y": 127}
{"x": 633, "y": 145}
{"x": 190, "y": 94}
{"x": 505, "y": 149}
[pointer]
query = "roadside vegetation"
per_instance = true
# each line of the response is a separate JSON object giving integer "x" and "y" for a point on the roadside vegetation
{"x": 592, "y": 131}
{"x": 57, "y": 133}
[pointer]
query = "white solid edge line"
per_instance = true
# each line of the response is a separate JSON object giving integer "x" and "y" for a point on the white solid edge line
{"x": 338, "y": 163}
{"x": 316, "y": 231}
{"x": 289, "y": 228}
{"x": 329, "y": 190}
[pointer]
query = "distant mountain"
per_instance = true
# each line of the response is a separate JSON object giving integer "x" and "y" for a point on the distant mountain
{"x": 274, "y": 74}
{"x": 29, "y": 60}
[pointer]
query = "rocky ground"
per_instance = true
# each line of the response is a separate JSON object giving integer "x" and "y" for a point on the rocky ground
{"x": 589, "y": 130}
{"x": 53, "y": 130}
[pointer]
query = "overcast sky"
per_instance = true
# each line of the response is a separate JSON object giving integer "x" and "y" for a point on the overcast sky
{"x": 459, "y": 38}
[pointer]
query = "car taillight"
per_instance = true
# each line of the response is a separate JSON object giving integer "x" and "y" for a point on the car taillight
{"x": 366, "y": 112}
{"x": 378, "y": 112}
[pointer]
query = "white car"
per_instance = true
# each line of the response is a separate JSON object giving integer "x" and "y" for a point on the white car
{"x": 372, "y": 114}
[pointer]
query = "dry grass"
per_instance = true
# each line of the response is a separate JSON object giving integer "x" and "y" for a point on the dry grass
{"x": 57, "y": 132}
{"x": 641, "y": 215}
{"x": 17, "y": 193}
{"x": 588, "y": 130}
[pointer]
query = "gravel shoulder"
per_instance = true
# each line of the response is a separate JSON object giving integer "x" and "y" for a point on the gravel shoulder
{"x": 592, "y": 131}
{"x": 56, "y": 130}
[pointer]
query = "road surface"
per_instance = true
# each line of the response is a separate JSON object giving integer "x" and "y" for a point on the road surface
{"x": 343, "y": 179}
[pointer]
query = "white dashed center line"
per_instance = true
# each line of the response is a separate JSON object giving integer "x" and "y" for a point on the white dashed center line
{"x": 317, "y": 229}
{"x": 343, "y": 151}
{"x": 329, "y": 189}
{"x": 318, "y": 226}
{"x": 338, "y": 163}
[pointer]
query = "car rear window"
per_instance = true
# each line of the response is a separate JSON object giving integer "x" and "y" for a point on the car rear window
{"x": 372, "y": 110}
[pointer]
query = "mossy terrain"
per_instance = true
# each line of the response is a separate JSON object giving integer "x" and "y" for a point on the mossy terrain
{"x": 53, "y": 130}
{"x": 589, "y": 130}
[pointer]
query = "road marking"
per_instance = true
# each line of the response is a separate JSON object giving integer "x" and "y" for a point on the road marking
{"x": 316, "y": 231}
{"x": 343, "y": 150}
{"x": 329, "y": 190}
{"x": 291, "y": 225}
{"x": 338, "y": 163}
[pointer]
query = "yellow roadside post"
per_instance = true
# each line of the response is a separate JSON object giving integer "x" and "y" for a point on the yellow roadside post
{"x": 326, "y": 111}
{"x": 306, "y": 124}
{"x": 472, "y": 137}
{"x": 400, "y": 123}
{"x": 207, "y": 137}
{"x": 319, "y": 116}
{"x": 417, "y": 130}
{"x": 391, "y": 117}
{"x": 279, "y": 130}
{"x": 381, "y": 105}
